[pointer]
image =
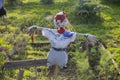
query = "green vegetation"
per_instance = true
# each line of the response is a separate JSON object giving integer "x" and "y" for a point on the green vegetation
{"x": 105, "y": 27}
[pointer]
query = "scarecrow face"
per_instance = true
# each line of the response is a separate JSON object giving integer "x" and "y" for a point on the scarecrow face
{"x": 60, "y": 19}
{"x": 58, "y": 22}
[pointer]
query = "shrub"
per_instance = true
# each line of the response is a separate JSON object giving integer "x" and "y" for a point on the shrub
{"x": 87, "y": 7}
{"x": 88, "y": 11}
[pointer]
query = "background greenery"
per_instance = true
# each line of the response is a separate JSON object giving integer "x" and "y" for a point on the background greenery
{"x": 29, "y": 12}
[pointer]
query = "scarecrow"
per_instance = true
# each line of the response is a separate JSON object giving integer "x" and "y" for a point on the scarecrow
{"x": 59, "y": 38}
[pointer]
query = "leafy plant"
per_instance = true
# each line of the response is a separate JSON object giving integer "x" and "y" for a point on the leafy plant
{"x": 87, "y": 7}
{"x": 88, "y": 11}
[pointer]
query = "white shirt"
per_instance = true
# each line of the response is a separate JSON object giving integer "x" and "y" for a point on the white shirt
{"x": 58, "y": 40}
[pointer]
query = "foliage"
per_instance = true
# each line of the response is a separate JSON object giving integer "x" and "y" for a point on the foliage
{"x": 90, "y": 7}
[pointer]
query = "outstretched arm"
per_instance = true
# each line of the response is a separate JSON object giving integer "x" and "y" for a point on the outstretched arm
{"x": 47, "y": 32}
{"x": 32, "y": 29}
{"x": 91, "y": 38}
{"x": 81, "y": 34}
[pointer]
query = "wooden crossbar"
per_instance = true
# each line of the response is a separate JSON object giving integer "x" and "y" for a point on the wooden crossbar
{"x": 24, "y": 64}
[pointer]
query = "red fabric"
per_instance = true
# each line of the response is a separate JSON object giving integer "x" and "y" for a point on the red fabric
{"x": 60, "y": 17}
{"x": 61, "y": 30}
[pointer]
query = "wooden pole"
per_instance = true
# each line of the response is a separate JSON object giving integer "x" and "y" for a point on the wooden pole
{"x": 20, "y": 74}
{"x": 56, "y": 71}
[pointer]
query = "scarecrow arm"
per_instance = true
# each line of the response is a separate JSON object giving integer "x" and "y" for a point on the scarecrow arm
{"x": 81, "y": 34}
{"x": 31, "y": 30}
{"x": 91, "y": 38}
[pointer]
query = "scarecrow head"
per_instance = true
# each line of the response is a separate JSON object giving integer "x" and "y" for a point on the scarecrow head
{"x": 60, "y": 21}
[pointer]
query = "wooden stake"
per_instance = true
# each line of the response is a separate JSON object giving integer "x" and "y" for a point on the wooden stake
{"x": 20, "y": 74}
{"x": 56, "y": 71}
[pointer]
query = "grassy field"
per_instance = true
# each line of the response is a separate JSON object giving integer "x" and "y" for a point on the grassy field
{"x": 32, "y": 12}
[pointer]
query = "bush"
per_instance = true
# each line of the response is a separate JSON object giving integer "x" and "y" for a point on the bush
{"x": 47, "y": 1}
{"x": 88, "y": 11}
{"x": 87, "y": 7}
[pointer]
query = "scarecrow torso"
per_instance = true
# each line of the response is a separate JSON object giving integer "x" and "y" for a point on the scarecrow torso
{"x": 58, "y": 40}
